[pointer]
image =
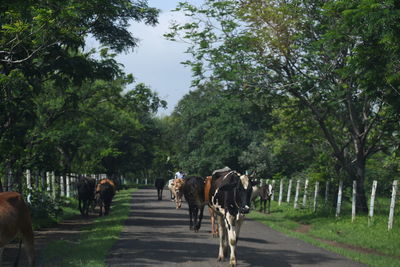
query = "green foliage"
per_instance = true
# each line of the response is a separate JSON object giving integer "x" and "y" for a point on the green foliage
{"x": 43, "y": 206}
{"x": 65, "y": 110}
{"x": 212, "y": 129}
{"x": 321, "y": 59}
{"x": 93, "y": 245}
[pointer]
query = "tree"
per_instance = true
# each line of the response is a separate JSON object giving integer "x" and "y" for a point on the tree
{"x": 309, "y": 51}
{"x": 212, "y": 128}
{"x": 40, "y": 42}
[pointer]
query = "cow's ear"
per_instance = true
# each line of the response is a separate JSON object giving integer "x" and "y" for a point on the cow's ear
{"x": 228, "y": 186}
{"x": 253, "y": 183}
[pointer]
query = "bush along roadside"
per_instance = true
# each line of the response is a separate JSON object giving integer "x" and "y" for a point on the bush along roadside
{"x": 370, "y": 244}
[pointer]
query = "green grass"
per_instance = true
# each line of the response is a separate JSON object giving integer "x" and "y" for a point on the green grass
{"x": 95, "y": 241}
{"x": 383, "y": 246}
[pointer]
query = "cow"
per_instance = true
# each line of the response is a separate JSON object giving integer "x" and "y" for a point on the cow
{"x": 193, "y": 190}
{"x": 86, "y": 194}
{"x": 178, "y": 189}
{"x": 230, "y": 198}
{"x": 171, "y": 188}
{"x": 265, "y": 193}
{"x": 105, "y": 191}
{"x": 214, "y": 225}
{"x": 159, "y": 184}
{"x": 211, "y": 212}
{"x": 15, "y": 220}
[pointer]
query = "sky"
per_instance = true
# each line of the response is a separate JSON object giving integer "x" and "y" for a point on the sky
{"x": 156, "y": 61}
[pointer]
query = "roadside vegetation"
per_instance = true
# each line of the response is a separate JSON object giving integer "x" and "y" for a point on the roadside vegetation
{"x": 95, "y": 241}
{"x": 297, "y": 89}
{"x": 373, "y": 245}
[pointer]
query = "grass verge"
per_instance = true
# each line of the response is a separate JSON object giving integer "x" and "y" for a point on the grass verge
{"x": 373, "y": 245}
{"x": 92, "y": 247}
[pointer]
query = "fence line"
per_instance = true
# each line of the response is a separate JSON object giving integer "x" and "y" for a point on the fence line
{"x": 339, "y": 198}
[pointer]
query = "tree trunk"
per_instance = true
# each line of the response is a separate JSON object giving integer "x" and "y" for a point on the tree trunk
{"x": 361, "y": 199}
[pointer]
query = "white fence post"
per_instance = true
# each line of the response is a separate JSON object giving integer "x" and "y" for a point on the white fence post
{"x": 392, "y": 204}
{"x": 280, "y": 192}
{"x": 53, "y": 185}
{"x": 316, "y": 195}
{"x": 296, "y": 196}
{"x": 48, "y": 183}
{"x": 289, "y": 191}
{"x": 29, "y": 185}
{"x": 353, "y": 201}
{"x": 339, "y": 199}
{"x": 68, "y": 183}
{"x": 273, "y": 191}
{"x": 28, "y": 180}
{"x": 372, "y": 202}
{"x": 305, "y": 193}
{"x": 62, "y": 189}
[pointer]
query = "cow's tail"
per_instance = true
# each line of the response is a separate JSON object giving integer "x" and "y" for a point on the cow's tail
{"x": 18, "y": 254}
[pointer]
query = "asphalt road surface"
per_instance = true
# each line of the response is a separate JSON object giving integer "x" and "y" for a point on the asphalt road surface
{"x": 156, "y": 234}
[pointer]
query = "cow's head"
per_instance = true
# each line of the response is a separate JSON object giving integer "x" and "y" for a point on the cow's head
{"x": 177, "y": 185}
{"x": 242, "y": 186}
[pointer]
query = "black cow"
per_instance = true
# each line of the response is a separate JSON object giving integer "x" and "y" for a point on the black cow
{"x": 86, "y": 194}
{"x": 159, "y": 183}
{"x": 193, "y": 190}
{"x": 230, "y": 198}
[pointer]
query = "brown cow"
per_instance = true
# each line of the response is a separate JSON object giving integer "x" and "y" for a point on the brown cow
{"x": 213, "y": 215}
{"x": 15, "y": 221}
{"x": 178, "y": 184}
{"x": 105, "y": 191}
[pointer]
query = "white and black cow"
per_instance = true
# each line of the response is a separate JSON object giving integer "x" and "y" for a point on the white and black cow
{"x": 230, "y": 198}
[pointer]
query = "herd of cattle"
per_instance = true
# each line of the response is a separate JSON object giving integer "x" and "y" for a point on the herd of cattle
{"x": 15, "y": 219}
{"x": 228, "y": 195}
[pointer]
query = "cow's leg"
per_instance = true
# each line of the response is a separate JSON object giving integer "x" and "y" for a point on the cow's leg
{"x": 231, "y": 226}
{"x": 86, "y": 207}
{"x": 107, "y": 207}
{"x": 80, "y": 205}
{"x": 212, "y": 220}
{"x": 161, "y": 190}
{"x": 260, "y": 204}
{"x": 222, "y": 238}
{"x": 239, "y": 223}
{"x": 198, "y": 225}
{"x": 1, "y": 255}
{"x": 269, "y": 206}
{"x": 29, "y": 245}
{"x": 265, "y": 205}
{"x": 195, "y": 217}
{"x": 101, "y": 207}
{"x": 190, "y": 216}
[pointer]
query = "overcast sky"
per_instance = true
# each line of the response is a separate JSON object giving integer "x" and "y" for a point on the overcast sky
{"x": 156, "y": 61}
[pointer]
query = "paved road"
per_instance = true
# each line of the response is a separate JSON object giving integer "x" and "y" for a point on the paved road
{"x": 156, "y": 234}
